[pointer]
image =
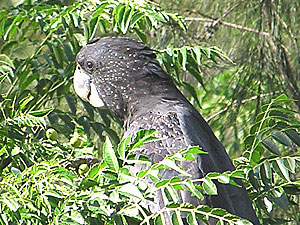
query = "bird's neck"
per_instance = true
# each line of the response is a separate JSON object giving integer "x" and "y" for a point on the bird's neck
{"x": 159, "y": 100}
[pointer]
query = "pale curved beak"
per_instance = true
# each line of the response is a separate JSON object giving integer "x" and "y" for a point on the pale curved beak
{"x": 85, "y": 88}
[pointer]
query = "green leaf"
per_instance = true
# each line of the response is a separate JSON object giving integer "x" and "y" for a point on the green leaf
{"x": 109, "y": 155}
{"x": 280, "y": 198}
{"x": 224, "y": 179}
{"x": 294, "y": 136}
{"x": 4, "y": 59}
{"x": 126, "y": 19}
{"x": 24, "y": 50}
{"x": 183, "y": 51}
{"x": 130, "y": 190}
{"x": 173, "y": 205}
{"x": 161, "y": 183}
{"x": 256, "y": 153}
{"x": 58, "y": 53}
{"x": 93, "y": 24}
{"x": 141, "y": 35}
{"x": 93, "y": 171}
{"x": 281, "y": 138}
{"x": 80, "y": 38}
{"x": 253, "y": 179}
{"x": 218, "y": 52}
{"x": 206, "y": 52}
{"x": 25, "y": 101}
{"x": 136, "y": 18}
{"x": 123, "y": 147}
{"x": 195, "y": 150}
{"x": 209, "y": 187}
{"x": 266, "y": 173}
{"x": 119, "y": 13}
{"x": 176, "y": 218}
{"x": 2, "y": 77}
{"x": 11, "y": 203}
{"x": 195, "y": 73}
{"x": 197, "y": 50}
{"x": 148, "y": 22}
{"x": 178, "y": 20}
{"x": 290, "y": 164}
{"x": 282, "y": 98}
{"x": 7, "y": 71}
{"x": 159, "y": 219}
{"x": 25, "y": 80}
{"x": 87, "y": 183}
{"x": 191, "y": 218}
{"x": 41, "y": 113}
{"x": 171, "y": 193}
{"x": 189, "y": 184}
{"x": 192, "y": 91}
{"x": 271, "y": 146}
{"x": 219, "y": 212}
{"x": 171, "y": 164}
{"x": 280, "y": 169}
{"x": 143, "y": 137}
{"x": 125, "y": 176}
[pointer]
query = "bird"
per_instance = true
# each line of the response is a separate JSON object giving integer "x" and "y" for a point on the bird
{"x": 124, "y": 75}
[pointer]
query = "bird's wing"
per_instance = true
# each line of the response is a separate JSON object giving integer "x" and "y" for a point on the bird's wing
{"x": 198, "y": 133}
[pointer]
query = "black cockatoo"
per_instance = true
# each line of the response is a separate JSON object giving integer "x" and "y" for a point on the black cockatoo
{"x": 123, "y": 75}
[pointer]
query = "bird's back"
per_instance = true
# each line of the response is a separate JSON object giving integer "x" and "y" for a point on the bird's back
{"x": 181, "y": 126}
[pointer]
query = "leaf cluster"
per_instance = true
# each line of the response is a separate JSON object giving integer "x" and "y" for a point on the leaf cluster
{"x": 108, "y": 193}
{"x": 38, "y": 46}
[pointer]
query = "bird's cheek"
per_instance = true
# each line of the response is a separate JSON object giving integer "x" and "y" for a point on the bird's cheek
{"x": 94, "y": 98}
{"x": 82, "y": 84}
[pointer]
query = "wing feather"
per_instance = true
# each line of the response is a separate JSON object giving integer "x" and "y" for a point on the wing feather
{"x": 197, "y": 132}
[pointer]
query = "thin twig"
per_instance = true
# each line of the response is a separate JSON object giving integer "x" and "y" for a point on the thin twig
{"x": 294, "y": 39}
{"x": 239, "y": 27}
{"x": 230, "y": 10}
{"x": 241, "y": 102}
{"x": 215, "y": 23}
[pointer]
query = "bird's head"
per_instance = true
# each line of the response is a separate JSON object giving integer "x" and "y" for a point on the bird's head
{"x": 115, "y": 72}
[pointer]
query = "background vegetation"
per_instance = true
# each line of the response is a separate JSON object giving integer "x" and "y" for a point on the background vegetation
{"x": 243, "y": 90}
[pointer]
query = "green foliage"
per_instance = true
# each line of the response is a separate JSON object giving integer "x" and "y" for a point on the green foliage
{"x": 272, "y": 163}
{"x": 273, "y": 117}
{"x": 42, "y": 43}
{"x": 178, "y": 60}
{"x": 107, "y": 193}
{"x": 43, "y": 124}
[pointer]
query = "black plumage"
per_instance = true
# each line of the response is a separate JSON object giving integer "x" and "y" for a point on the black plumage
{"x": 131, "y": 83}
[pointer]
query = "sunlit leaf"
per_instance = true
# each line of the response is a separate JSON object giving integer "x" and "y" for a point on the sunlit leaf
{"x": 193, "y": 189}
{"x": 11, "y": 203}
{"x": 209, "y": 187}
{"x": 4, "y": 59}
{"x": 123, "y": 145}
{"x": 171, "y": 164}
{"x": 143, "y": 137}
{"x": 130, "y": 190}
{"x": 280, "y": 169}
{"x": 41, "y": 113}
{"x": 109, "y": 155}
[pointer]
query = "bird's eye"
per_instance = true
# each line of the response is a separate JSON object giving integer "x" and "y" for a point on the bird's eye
{"x": 89, "y": 65}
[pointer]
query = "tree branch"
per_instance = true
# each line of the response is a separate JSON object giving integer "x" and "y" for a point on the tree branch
{"x": 235, "y": 103}
{"x": 239, "y": 27}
